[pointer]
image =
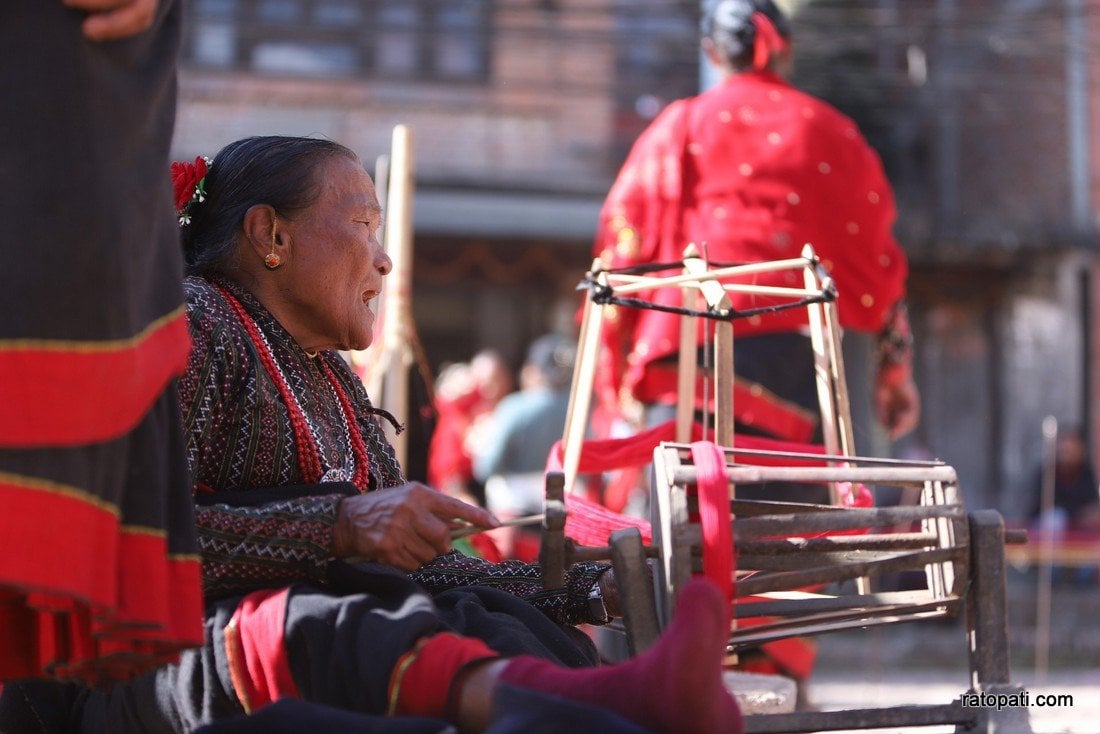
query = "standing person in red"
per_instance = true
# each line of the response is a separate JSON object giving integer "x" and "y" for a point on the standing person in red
{"x": 99, "y": 567}
{"x": 752, "y": 170}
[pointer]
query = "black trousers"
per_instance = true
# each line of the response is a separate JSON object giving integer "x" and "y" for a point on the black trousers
{"x": 342, "y": 643}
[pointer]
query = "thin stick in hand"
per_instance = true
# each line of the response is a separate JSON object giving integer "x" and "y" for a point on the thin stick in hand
{"x": 467, "y": 530}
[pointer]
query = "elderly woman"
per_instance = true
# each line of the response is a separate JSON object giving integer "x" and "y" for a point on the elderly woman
{"x": 328, "y": 577}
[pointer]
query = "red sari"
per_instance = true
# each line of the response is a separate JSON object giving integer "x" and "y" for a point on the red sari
{"x": 750, "y": 170}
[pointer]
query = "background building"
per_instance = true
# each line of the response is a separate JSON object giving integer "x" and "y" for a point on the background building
{"x": 522, "y": 111}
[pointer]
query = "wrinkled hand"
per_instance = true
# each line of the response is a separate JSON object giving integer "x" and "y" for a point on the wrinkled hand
{"x": 609, "y": 589}
{"x": 111, "y": 20}
{"x": 897, "y": 405}
{"x": 404, "y": 526}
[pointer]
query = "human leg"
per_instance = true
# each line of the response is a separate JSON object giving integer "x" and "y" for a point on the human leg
{"x": 392, "y": 654}
{"x": 675, "y": 686}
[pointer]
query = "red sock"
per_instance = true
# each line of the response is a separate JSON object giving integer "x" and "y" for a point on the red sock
{"x": 426, "y": 677}
{"x": 675, "y": 687}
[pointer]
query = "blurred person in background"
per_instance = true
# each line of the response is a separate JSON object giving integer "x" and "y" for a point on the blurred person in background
{"x": 509, "y": 455}
{"x": 1074, "y": 509}
{"x": 1076, "y": 500}
{"x": 752, "y": 170}
{"x": 465, "y": 394}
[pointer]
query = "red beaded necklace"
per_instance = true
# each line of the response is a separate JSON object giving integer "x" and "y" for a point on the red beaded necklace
{"x": 305, "y": 440}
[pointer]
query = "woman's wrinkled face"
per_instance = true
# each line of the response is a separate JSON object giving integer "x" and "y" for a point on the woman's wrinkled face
{"x": 336, "y": 263}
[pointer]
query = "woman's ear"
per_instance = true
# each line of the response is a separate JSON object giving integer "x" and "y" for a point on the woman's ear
{"x": 264, "y": 239}
{"x": 711, "y": 52}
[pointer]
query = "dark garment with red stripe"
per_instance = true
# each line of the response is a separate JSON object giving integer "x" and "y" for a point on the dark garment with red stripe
{"x": 515, "y": 711}
{"x": 339, "y": 646}
{"x": 99, "y": 573}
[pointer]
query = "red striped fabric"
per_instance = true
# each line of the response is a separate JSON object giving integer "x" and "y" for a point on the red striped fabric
{"x": 95, "y": 600}
{"x": 258, "y": 663}
{"x": 66, "y": 393}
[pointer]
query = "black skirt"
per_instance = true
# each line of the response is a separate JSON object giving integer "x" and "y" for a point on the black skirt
{"x": 99, "y": 572}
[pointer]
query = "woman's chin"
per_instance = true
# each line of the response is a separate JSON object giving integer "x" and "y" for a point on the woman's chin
{"x": 362, "y": 336}
{"x": 360, "y": 341}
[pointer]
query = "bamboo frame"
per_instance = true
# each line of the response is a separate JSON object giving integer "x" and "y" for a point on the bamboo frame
{"x": 711, "y": 287}
{"x": 772, "y": 564}
{"x": 387, "y": 365}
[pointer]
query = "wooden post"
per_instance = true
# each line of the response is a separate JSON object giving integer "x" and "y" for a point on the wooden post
{"x": 688, "y": 363}
{"x": 987, "y": 617}
{"x": 584, "y": 376}
{"x": 385, "y": 372}
{"x": 715, "y": 295}
{"x": 1046, "y": 549}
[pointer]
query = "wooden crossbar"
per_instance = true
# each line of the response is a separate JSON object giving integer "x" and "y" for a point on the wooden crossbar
{"x": 711, "y": 285}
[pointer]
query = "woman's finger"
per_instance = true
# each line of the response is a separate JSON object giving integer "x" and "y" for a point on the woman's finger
{"x": 95, "y": 6}
{"x": 119, "y": 20}
{"x": 423, "y": 550}
{"x": 402, "y": 560}
{"x": 435, "y": 532}
{"x": 449, "y": 508}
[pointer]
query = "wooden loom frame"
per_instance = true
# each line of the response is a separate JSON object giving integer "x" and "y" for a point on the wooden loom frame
{"x": 783, "y": 547}
{"x": 710, "y": 287}
{"x": 961, "y": 553}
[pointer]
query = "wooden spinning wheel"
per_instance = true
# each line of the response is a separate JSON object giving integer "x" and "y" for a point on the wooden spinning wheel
{"x": 789, "y": 568}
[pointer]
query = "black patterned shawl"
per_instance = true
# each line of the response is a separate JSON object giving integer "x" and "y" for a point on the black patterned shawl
{"x": 240, "y": 440}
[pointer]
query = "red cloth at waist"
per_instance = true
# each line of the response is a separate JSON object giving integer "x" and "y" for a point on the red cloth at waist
{"x": 752, "y": 405}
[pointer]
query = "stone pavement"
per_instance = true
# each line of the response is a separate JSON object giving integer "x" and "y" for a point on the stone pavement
{"x": 847, "y": 689}
{"x": 926, "y": 662}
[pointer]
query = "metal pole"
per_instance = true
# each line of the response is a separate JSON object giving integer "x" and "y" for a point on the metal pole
{"x": 1046, "y": 550}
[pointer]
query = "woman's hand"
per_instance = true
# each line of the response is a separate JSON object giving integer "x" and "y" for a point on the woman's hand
{"x": 897, "y": 401}
{"x": 404, "y": 526}
{"x": 111, "y": 20}
{"x": 609, "y": 590}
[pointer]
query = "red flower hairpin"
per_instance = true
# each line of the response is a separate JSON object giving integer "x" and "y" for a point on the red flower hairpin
{"x": 189, "y": 186}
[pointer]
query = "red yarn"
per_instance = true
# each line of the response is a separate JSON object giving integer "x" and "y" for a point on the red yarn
{"x": 712, "y": 489}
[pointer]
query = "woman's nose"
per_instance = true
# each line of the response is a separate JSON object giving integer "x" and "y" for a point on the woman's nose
{"x": 383, "y": 262}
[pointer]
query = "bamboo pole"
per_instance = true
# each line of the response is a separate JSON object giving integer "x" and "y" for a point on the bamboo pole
{"x": 580, "y": 396}
{"x": 398, "y": 330}
{"x": 1046, "y": 539}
